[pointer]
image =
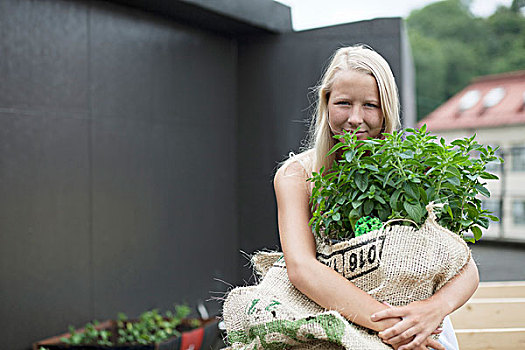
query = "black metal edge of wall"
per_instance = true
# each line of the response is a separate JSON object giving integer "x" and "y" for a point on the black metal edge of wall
{"x": 229, "y": 17}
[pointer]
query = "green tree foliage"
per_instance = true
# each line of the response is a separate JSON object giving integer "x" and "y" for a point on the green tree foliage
{"x": 451, "y": 46}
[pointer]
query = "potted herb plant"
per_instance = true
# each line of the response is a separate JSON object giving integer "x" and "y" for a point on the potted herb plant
{"x": 396, "y": 177}
{"x": 152, "y": 330}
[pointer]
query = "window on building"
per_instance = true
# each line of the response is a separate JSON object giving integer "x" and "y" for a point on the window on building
{"x": 518, "y": 158}
{"x": 518, "y": 211}
{"x": 493, "y": 205}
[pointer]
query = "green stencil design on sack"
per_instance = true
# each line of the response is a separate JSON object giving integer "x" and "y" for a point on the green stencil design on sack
{"x": 290, "y": 330}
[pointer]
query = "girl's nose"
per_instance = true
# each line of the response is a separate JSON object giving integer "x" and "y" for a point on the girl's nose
{"x": 355, "y": 116}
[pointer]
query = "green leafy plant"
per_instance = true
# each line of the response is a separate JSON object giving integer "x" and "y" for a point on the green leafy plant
{"x": 90, "y": 335}
{"x": 151, "y": 327}
{"x": 397, "y": 176}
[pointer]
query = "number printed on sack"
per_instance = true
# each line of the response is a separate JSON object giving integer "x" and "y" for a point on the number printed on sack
{"x": 355, "y": 260}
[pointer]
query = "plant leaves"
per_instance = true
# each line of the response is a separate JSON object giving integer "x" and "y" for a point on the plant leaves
{"x": 378, "y": 198}
{"x": 431, "y": 191}
{"x": 354, "y": 213}
{"x": 411, "y": 190}
{"x": 371, "y": 167}
{"x": 384, "y": 213}
{"x": 453, "y": 180}
{"x": 356, "y": 203}
{"x": 394, "y": 198}
{"x": 368, "y": 207}
{"x": 447, "y": 209}
{"x": 477, "y": 232}
{"x": 483, "y": 222}
{"x": 336, "y": 147}
{"x": 482, "y": 190}
{"x": 488, "y": 176}
{"x": 387, "y": 177}
{"x": 454, "y": 171}
{"x": 349, "y": 155}
{"x": 423, "y": 195}
{"x": 406, "y": 154}
{"x": 413, "y": 211}
{"x": 361, "y": 180}
{"x": 493, "y": 218}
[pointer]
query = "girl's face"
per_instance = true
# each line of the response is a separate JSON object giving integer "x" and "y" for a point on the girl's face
{"x": 354, "y": 103}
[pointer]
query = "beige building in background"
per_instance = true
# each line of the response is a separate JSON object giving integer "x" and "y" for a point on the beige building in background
{"x": 493, "y": 107}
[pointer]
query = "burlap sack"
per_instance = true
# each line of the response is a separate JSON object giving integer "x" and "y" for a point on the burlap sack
{"x": 397, "y": 265}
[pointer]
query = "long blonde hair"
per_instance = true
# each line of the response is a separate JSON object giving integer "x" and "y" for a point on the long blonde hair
{"x": 363, "y": 59}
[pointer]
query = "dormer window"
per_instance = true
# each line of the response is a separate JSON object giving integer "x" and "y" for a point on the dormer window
{"x": 493, "y": 97}
{"x": 469, "y": 100}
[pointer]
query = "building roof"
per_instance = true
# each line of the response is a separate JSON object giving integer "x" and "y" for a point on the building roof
{"x": 489, "y": 101}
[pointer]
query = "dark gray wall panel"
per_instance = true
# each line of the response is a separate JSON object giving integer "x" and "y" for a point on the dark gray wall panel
{"x": 118, "y": 165}
{"x": 164, "y": 161}
{"x": 165, "y": 233}
{"x": 44, "y": 224}
{"x": 44, "y": 166}
{"x": 170, "y": 70}
{"x": 43, "y": 52}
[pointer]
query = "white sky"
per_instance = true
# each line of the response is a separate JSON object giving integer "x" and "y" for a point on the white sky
{"x": 308, "y": 14}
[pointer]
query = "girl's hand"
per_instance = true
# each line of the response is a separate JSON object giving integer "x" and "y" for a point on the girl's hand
{"x": 429, "y": 343}
{"x": 419, "y": 320}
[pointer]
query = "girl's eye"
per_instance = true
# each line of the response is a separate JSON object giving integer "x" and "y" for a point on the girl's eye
{"x": 371, "y": 105}
{"x": 342, "y": 103}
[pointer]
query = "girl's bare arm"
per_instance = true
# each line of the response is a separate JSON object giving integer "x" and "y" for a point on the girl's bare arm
{"x": 319, "y": 282}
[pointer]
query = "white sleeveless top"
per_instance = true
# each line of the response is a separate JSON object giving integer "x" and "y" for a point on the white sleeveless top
{"x": 448, "y": 337}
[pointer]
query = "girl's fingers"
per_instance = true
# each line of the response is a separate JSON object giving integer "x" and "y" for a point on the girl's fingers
{"x": 403, "y": 337}
{"x": 387, "y": 313}
{"x": 397, "y": 329}
{"x": 428, "y": 343}
{"x": 434, "y": 344}
{"x": 414, "y": 344}
{"x": 438, "y": 331}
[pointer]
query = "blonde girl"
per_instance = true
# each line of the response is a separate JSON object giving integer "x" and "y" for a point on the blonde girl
{"x": 357, "y": 92}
